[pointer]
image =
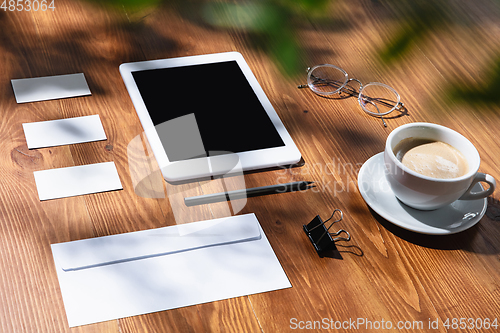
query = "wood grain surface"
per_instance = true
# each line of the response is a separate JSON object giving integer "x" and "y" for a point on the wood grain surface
{"x": 384, "y": 274}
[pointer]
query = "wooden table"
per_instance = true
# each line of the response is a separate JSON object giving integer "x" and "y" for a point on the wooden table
{"x": 384, "y": 274}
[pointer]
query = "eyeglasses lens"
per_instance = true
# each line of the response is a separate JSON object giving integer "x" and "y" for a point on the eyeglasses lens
{"x": 378, "y": 99}
{"x": 326, "y": 80}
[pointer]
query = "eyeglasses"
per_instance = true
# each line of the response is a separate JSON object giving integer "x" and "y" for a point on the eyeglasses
{"x": 376, "y": 99}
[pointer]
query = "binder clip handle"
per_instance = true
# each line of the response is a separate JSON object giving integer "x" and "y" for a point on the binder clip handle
{"x": 337, "y": 239}
{"x": 320, "y": 236}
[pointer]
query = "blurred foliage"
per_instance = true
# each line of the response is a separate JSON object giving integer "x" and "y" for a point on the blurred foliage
{"x": 417, "y": 18}
{"x": 267, "y": 25}
{"x": 129, "y": 4}
{"x": 486, "y": 93}
{"x": 271, "y": 26}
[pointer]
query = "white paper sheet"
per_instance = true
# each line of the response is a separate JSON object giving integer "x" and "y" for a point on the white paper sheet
{"x": 77, "y": 180}
{"x": 205, "y": 261}
{"x": 50, "y": 87}
{"x": 64, "y": 131}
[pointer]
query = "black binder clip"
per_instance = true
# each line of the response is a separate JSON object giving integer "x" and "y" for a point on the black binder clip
{"x": 320, "y": 237}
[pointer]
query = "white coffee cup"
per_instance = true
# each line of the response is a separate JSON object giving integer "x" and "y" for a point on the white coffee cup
{"x": 427, "y": 193}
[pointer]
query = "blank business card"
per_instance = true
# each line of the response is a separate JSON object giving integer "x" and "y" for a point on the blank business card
{"x": 77, "y": 180}
{"x": 50, "y": 87}
{"x": 64, "y": 131}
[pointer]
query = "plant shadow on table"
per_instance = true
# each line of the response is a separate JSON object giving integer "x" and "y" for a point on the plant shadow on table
{"x": 103, "y": 42}
{"x": 478, "y": 239}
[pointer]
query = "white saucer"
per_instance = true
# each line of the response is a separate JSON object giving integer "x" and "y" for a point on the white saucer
{"x": 458, "y": 216}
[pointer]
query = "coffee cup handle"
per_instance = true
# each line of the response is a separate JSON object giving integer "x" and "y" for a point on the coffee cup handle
{"x": 480, "y": 177}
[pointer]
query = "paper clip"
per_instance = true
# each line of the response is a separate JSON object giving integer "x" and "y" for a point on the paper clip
{"x": 316, "y": 231}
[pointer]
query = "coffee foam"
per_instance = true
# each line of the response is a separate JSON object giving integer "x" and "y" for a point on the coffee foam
{"x": 433, "y": 159}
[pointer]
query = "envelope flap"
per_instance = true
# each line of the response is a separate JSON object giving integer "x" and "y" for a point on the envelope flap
{"x": 94, "y": 252}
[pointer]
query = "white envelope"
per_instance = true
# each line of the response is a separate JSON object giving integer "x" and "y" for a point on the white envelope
{"x": 141, "y": 272}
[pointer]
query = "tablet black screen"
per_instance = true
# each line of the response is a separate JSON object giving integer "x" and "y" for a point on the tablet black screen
{"x": 229, "y": 115}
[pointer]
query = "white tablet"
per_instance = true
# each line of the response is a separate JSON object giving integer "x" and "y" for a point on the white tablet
{"x": 207, "y": 115}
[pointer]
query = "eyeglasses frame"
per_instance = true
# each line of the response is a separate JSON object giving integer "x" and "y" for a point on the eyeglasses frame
{"x": 351, "y": 91}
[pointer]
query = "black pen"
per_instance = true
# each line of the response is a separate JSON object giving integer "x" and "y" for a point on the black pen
{"x": 248, "y": 192}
